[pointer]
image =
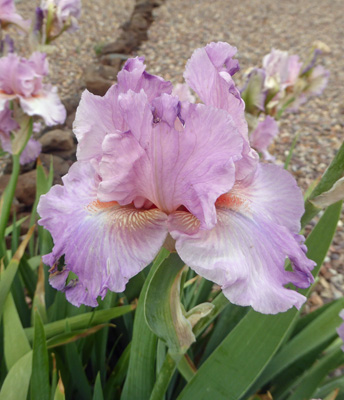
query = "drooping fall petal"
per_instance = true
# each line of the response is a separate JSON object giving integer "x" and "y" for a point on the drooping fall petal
{"x": 102, "y": 243}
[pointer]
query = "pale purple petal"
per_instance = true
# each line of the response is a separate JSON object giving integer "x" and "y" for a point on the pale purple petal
{"x": 183, "y": 92}
{"x": 166, "y": 108}
{"x": 31, "y": 152}
{"x": 96, "y": 117}
{"x": 205, "y": 74}
{"x": 294, "y": 69}
{"x": 318, "y": 81}
{"x": 262, "y": 137}
{"x": 176, "y": 168}
{"x": 8, "y": 15}
{"x": 40, "y": 62}
{"x": 65, "y": 12}
{"x": 273, "y": 195}
{"x": 214, "y": 85}
{"x": 102, "y": 243}
{"x": 245, "y": 255}
{"x": 221, "y": 55}
{"x": 340, "y": 330}
{"x": 7, "y": 45}
{"x": 46, "y": 105}
{"x": 276, "y": 66}
{"x": 282, "y": 68}
{"x": 134, "y": 77}
{"x": 7, "y": 123}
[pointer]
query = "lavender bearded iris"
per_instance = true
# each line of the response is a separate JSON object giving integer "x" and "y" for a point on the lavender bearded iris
{"x": 150, "y": 166}
{"x": 21, "y": 79}
{"x": 8, "y": 15}
{"x": 65, "y": 14}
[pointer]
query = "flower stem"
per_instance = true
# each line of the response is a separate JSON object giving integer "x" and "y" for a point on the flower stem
{"x": 187, "y": 368}
{"x": 164, "y": 378}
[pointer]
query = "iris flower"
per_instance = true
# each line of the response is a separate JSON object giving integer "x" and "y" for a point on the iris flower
{"x": 7, "y": 126}
{"x": 21, "y": 79}
{"x": 65, "y": 14}
{"x": 281, "y": 69}
{"x": 8, "y": 15}
{"x": 151, "y": 168}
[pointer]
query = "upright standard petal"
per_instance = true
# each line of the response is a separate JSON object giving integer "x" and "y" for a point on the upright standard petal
{"x": 246, "y": 251}
{"x": 102, "y": 243}
{"x": 171, "y": 168}
{"x": 206, "y": 75}
{"x": 98, "y": 116}
{"x": 134, "y": 77}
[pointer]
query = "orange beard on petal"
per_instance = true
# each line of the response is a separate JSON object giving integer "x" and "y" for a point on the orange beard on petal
{"x": 230, "y": 201}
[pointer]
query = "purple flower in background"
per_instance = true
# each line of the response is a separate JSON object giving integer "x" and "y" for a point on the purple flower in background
{"x": 340, "y": 330}
{"x": 282, "y": 69}
{"x": 6, "y": 45}
{"x": 8, "y": 15}
{"x": 150, "y": 166}
{"x": 262, "y": 137}
{"x": 22, "y": 79}
{"x": 66, "y": 13}
{"x": 8, "y": 125}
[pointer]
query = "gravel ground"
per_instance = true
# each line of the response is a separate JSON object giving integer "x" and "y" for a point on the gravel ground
{"x": 99, "y": 24}
{"x": 254, "y": 27}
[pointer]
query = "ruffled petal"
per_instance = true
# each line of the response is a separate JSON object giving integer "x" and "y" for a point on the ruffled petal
{"x": 46, "y": 104}
{"x": 208, "y": 73}
{"x": 96, "y": 117}
{"x": 169, "y": 167}
{"x": 213, "y": 83}
{"x": 272, "y": 194}
{"x": 104, "y": 244}
{"x": 246, "y": 257}
{"x": 134, "y": 77}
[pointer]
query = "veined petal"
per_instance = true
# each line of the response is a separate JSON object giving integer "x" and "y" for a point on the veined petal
{"x": 46, "y": 104}
{"x": 272, "y": 194}
{"x": 96, "y": 117}
{"x": 169, "y": 167}
{"x": 245, "y": 256}
{"x": 104, "y": 244}
{"x": 213, "y": 83}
